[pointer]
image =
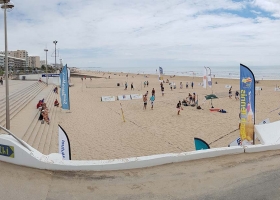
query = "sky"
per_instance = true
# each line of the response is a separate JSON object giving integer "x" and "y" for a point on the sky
{"x": 147, "y": 33}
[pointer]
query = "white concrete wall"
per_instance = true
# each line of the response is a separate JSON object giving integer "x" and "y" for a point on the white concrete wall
{"x": 35, "y": 159}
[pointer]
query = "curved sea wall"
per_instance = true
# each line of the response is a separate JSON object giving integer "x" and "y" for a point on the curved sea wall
{"x": 12, "y": 151}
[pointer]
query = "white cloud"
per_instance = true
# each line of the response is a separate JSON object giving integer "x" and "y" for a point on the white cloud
{"x": 105, "y": 33}
{"x": 272, "y": 6}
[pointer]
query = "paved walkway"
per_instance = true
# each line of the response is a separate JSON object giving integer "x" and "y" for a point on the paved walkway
{"x": 245, "y": 176}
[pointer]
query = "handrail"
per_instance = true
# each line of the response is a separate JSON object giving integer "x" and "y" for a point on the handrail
{"x": 19, "y": 140}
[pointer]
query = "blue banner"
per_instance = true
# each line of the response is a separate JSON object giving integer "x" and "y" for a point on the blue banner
{"x": 200, "y": 144}
{"x": 64, "y": 91}
{"x": 247, "y": 105}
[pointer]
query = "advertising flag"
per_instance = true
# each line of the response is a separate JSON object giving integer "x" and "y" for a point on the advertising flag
{"x": 247, "y": 105}
{"x": 200, "y": 144}
{"x": 209, "y": 80}
{"x": 160, "y": 74}
{"x": 64, "y": 85}
{"x": 63, "y": 144}
{"x": 204, "y": 77}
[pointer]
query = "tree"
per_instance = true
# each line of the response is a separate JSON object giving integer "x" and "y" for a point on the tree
{"x": 43, "y": 67}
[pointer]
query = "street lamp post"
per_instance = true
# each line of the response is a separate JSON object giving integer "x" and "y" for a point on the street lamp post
{"x": 6, "y": 5}
{"x": 47, "y": 75}
{"x": 55, "y": 42}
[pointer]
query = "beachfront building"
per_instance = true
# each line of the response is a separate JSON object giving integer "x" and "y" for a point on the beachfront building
{"x": 13, "y": 63}
{"x": 22, "y": 54}
{"x": 34, "y": 62}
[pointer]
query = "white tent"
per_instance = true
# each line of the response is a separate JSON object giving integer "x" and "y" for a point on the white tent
{"x": 268, "y": 133}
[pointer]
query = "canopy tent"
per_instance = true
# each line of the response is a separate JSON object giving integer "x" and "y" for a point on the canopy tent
{"x": 268, "y": 133}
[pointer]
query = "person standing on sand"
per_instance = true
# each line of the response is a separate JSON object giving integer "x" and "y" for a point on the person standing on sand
{"x": 152, "y": 99}
{"x": 154, "y": 92}
{"x": 230, "y": 93}
{"x": 187, "y": 85}
{"x": 144, "y": 83}
{"x": 125, "y": 86}
{"x": 162, "y": 91}
{"x": 192, "y": 85}
{"x": 178, "y": 107}
{"x": 132, "y": 88}
{"x": 236, "y": 95}
{"x": 145, "y": 102}
{"x": 147, "y": 83}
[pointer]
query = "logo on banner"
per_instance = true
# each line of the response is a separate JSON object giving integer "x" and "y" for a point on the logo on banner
{"x": 7, "y": 151}
{"x": 246, "y": 82}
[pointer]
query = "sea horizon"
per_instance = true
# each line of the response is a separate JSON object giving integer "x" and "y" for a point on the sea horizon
{"x": 261, "y": 73}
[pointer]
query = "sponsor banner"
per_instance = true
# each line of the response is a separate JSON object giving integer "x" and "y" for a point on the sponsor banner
{"x": 266, "y": 121}
{"x": 108, "y": 98}
{"x": 247, "y": 105}
{"x": 236, "y": 142}
{"x": 64, "y": 92}
{"x": 227, "y": 86}
{"x": 63, "y": 144}
{"x": 124, "y": 97}
{"x": 258, "y": 88}
{"x": 136, "y": 96}
{"x": 204, "y": 77}
{"x": 160, "y": 70}
{"x": 209, "y": 79}
{"x": 7, "y": 151}
{"x": 51, "y": 75}
{"x": 200, "y": 144}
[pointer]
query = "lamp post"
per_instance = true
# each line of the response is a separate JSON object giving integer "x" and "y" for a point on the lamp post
{"x": 6, "y": 5}
{"x": 47, "y": 75}
{"x": 55, "y": 42}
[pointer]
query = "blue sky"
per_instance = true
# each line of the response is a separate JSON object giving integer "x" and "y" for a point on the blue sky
{"x": 112, "y": 33}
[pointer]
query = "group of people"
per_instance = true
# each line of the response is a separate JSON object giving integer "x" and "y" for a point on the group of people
{"x": 131, "y": 86}
{"x": 230, "y": 93}
{"x": 190, "y": 100}
{"x": 44, "y": 112}
{"x": 152, "y": 99}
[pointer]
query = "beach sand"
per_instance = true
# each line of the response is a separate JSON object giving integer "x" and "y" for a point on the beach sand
{"x": 97, "y": 131}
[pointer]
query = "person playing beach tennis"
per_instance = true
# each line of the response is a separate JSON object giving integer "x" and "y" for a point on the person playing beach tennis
{"x": 152, "y": 99}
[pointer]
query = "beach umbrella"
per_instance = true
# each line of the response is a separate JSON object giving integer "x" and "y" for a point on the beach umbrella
{"x": 211, "y": 96}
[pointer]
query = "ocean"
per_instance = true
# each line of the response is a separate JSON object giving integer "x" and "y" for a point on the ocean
{"x": 261, "y": 73}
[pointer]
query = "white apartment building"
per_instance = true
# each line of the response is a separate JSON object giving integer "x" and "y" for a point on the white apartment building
{"x": 34, "y": 61}
{"x": 13, "y": 62}
{"x": 23, "y": 54}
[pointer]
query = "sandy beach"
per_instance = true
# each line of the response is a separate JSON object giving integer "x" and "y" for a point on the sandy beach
{"x": 97, "y": 131}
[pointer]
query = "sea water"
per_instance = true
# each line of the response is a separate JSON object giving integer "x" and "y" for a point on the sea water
{"x": 261, "y": 73}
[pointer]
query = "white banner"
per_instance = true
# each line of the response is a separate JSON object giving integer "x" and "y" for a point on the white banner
{"x": 124, "y": 97}
{"x": 63, "y": 144}
{"x": 108, "y": 98}
{"x": 236, "y": 142}
{"x": 209, "y": 79}
{"x": 204, "y": 77}
{"x": 136, "y": 96}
